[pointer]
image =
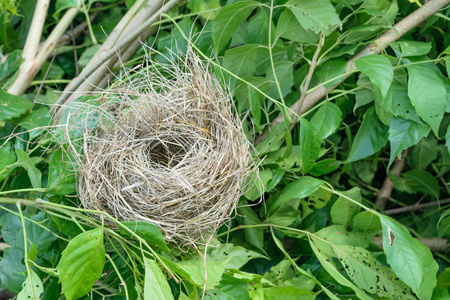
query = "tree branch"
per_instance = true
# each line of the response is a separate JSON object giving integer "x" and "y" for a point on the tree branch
{"x": 29, "y": 71}
{"x": 415, "y": 207}
{"x": 401, "y": 28}
{"x": 435, "y": 244}
{"x": 96, "y": 64}
{"x": 386, "y": 189}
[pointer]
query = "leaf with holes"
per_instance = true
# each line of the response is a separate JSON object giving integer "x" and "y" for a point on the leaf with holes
{"x": 397, "y": 102}
{"x": 289, "y": 27}
{"x": 32, "y": 288}
{"x": 318, "y": 16}
{"x": 370, "y": 275}
{"x": 82, "y": 263}
{"x": 196, "y": 269}
{"x": 237, "y": 255}
{"x": 412, "y": 262}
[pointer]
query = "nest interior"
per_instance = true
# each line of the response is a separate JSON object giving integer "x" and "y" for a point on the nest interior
{"x": 168, "y": 148}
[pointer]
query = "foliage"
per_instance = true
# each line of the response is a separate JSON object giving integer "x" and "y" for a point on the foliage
{"x": 307, "y": 226}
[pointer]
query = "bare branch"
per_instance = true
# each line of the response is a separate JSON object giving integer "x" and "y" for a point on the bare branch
{"x": 415, "y": 207}
{"x": 401, "y": 28}
{"x": 435, "y": 244}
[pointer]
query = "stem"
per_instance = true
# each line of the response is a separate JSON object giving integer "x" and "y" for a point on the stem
{"x": 415, "y": 207}
{"x": 428, "y": 9}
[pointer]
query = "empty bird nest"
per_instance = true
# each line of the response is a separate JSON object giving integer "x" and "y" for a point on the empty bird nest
{"x": 163, "y": 146}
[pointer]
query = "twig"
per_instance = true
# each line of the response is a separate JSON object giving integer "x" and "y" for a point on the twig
{"x": 3, "y": 246}
{"x": 415, "y": 207}
{"x": 401, "y": 28}
{"x": 31, "y": 45}
{"x": 96, "y": 64}
{"x": 386, "y": 189}
{"x": 305, "y": 86}
{"x": 29, "y": 71}
{"x": 434, "y": 244}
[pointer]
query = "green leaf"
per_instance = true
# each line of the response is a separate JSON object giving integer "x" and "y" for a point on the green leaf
{"x": 285, "y": 76}
{"x": 309, "y": 145}
{"x": 330, "y": 70}
{"x": 343, "y": 210}
{"x": 229, "y": 288}
{"x": 257, "y": 29}
{"x": 411, "y": 48}
{"x": 325, "y": 166}
{"x": 257, "y": 184}
{"x": 61, "y": 178}
{"x": 318, "y": 16}
{"x": 289, "y": 28}
{"x": 149, "y": 232}
{"x": 379, "y": 70}
{"x": 7, "y": 156}
{"x": 155, "y": 285}
{"x": 330, "y": 266}
{"x": 366, "y": 221}
{"x": 12, "y": 270}
{"x": 27, "y": 163}
{"x": 408, "y": 258}
{"x": 423, "y": 153}
{"x": 198, "y": 6}
{"x": 41, "y": 238}
{"x": 370, "y": 275}
{"x": 237, "y": 256}
{"x": 240, "y": 61}
{"x": 422, "y": 181}
{"x": 336, "y": 235}
{"x": 397, "y": 102}
{"x": 196, "y": 269}
{"x": 37, "y": 118}
{"x": 372, "y": 136}
{"x": 253, "y": 235}
{"x": 404, "y": 134}
{"x": 327, "y": 120}
{"x": 287, "y": 293}
{"x": 32, "y": 288}
{"x": 228, "y": 20}
{"x": 428, "y": 95}
{"x": 12, "y": 106}
{"x": 300, "y": 188}
{"x": 82, "y": 263}
{"x": 273, "y": 140}
{"x": 447, "y": 64}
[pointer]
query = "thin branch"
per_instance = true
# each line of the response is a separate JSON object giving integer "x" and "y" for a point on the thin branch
{"x": 434, "y": 244}
{"x": 386, "y": 189}
{"x": 3, "y": 246}
{"x": 127, "y": 40}
{"x": 30, "y": 70}
{"x": 415, "y": 207}
{"x": 305, "y": 86}
{"x": 31, "y": 45}
{"x": 401, "y": 28}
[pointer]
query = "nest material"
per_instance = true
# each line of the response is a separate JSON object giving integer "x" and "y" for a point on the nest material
{"x": 167, "y": 149}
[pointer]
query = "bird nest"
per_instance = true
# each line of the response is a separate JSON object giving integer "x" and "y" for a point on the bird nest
{"x": 167, "y": 148}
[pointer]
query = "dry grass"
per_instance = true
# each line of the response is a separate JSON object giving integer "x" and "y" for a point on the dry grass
{"x": 167, "y": 148}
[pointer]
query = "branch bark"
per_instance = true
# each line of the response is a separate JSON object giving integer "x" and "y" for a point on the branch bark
{"x": 435, "y": 244}
{"x": 122, "y": 44}
{"x": 400, "y": 29}
{"x": 415, "y": 207}
{"x": 386, "y": 189}
{"x": 32, "y": 64}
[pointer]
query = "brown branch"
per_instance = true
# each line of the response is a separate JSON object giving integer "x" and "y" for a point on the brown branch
{"x": 434, "y": 244}
{"x": 386, "y": 189}
{"x": 3, "y": 246}
{"x": 415, "y": 207}
{"x": 401, "y": 28}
